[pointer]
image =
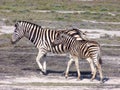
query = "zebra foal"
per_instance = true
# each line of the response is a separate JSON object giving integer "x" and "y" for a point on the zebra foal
{"x": 89, "y": 50}
{"x": 42, "y": 38}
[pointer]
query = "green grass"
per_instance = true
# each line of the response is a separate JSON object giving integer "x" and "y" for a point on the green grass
{"x": 5, "y": 36}
{"x": 106, "y": 5}
{"x": 21, "y": 10}
{"x": 37, "y": 16}
{"x": 5, "y": 40}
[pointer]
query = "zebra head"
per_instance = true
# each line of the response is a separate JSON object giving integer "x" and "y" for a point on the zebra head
{"x": 62, "y": 38}
{"x": 18, "y": 32}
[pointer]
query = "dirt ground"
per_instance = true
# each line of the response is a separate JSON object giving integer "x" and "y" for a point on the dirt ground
{"x": 19, "y": 70}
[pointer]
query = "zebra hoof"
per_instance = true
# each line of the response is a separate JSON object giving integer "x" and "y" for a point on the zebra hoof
{"x": 78, "y": 79}
{"x": 91, "y": 79}
{"x": 43, "y": 72}
{"x": 66, "y": 76}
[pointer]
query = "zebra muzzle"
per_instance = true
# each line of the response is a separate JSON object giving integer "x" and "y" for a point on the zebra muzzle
{"x": 12, "y": 42}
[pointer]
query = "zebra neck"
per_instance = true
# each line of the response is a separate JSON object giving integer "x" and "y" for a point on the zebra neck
{"x": 33, "y": 33}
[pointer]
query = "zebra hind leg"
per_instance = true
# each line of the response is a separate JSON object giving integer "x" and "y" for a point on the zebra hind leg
{"x": 98, "y": 66}
{"x": 93, "y": 68}
{"x": 68, "y": 66}
{"x": 100, "y": 72}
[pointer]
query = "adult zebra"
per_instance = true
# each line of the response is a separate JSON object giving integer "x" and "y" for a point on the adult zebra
{"x": 42, "y": 38}
{"x": 89, "y": 50}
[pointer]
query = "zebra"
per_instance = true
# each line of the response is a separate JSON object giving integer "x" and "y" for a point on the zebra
{"x": 87, "y": 49}
{"x": 42, "y": 38}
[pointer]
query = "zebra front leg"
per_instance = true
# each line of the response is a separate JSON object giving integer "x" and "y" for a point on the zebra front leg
{"x": 68, "y": 66}
{"x": 94, "y": 74}
{"x": 44, "y": 67}
{"x": 38, "y": 58}
{"x": 77, "y": 67}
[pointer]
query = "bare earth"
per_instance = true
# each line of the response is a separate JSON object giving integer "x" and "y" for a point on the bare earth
{"x": 19, "y": 70}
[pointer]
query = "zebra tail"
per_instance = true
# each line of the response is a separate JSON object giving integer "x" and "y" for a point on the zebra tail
{"x": 100, "y": 60}
{"x": 99, "y": 55}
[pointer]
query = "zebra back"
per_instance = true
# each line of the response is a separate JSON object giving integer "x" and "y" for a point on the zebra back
{"x": 42, "y": 37}
{"x": 81, "y": 48}
{"x": 77, "y": 33}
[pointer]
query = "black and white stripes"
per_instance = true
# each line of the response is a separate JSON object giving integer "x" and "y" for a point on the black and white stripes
{"x": 86, "y": 49}
{"x": 42, "y": 38}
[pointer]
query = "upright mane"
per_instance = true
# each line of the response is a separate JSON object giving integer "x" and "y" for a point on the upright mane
{"x": 27, "y": 23}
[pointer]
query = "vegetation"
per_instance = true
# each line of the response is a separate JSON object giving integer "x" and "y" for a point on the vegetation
{"x": 107, "y": 10}
{"x": 95, "y": 5}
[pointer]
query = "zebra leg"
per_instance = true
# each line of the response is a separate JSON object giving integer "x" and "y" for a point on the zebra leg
{"x": 38, "y": 58}
{"x": 93, "y": 69}
{"x": 77, "y": 67}
{"x": 68, "y": 66}
{"x": 100, "y": 72}
{"x": 94, "y": 73}
{"x": 44, "y": 66}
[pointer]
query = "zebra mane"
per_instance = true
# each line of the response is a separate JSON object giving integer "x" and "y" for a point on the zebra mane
{"x": 63, "y": 35}
{"x": 17, "y": 23}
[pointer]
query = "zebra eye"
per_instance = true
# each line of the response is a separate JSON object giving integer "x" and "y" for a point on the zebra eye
{"x": 15, "y": 30}
{"x": 16, "y": 25}
{"x": 61, "y": 36}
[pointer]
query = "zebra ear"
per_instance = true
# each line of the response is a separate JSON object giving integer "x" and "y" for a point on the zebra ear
{"x": 16, "y": 22}
{"x": 15, "y": 25}
{"x": 85, "y": 33}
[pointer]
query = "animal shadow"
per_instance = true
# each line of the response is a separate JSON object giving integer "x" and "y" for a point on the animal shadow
{"x": 84, "y": 74}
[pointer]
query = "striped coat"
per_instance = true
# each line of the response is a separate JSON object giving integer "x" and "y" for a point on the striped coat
{"x": 89, "y": 50}
{"x": 42, "y": 38}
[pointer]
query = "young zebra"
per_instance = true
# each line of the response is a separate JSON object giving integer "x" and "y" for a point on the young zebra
{"x": 42, "y": 38}
{"x": 86, "y": 49}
